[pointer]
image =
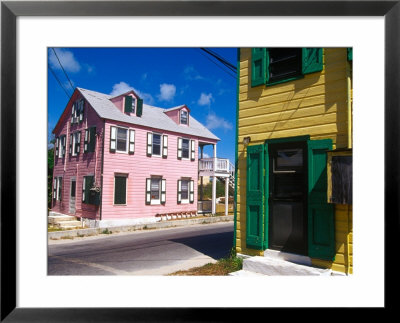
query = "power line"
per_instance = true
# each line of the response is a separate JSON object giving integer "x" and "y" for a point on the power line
{"x": 72, "y": 87}
{"x": 227, "y": 72}
{"x": 55, "y": 76}
{"x": 220, "y": 58}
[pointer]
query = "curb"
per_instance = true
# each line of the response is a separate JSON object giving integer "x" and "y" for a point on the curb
{"x": 158, "y": 225}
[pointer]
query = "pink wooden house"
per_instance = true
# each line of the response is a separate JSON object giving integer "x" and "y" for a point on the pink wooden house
{"x": 119, "y": 161}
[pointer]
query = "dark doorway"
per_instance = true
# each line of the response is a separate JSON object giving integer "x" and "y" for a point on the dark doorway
{"x": 288, "y": 197}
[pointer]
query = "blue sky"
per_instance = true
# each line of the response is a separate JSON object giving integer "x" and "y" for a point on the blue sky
{"x": 163, "y": 77}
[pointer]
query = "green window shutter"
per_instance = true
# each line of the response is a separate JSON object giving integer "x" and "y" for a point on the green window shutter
{"x": 165, "y": 146}
{"x": 321, "y": 225}
{"x": 179, "y": 199}
{"x": 128, "y": 104}
{"x": 70, "y": 144}
{"x": 120, "y": 190}
{"x": 149, "y": 143}
{"x": 350, "y": 54}
{"x": 60, "y": 188}
{"x": 56, "y": 146}
{"x": 179, "y": 148}
{"x": 191, "y": 191}
{"x": 81, "y": 108}
{"x": 86, "y": 141}
{"x": 131, "y": 148}
{"x": 73, "y": 113}
{"x": 148, "y": 191}
{"x": 258, "y": 66}
{"x": 255, "y": 197}
{"x": 139, "y": 110}
{"x": 163, "y": 191}
{"x": 92, "y": 139}
{"x": 192, "y": 150}
{"x": 113, "y": 139}
{"x": 84, "y": 190}
{"x": 311, "y": 60}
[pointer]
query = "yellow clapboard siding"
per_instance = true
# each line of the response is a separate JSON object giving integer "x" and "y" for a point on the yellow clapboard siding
{"x": 302, "y": 131}
{"x": 319, "y": 101}
{"x": 304, "y": 118}
{"x": 308, "y": 81}
{"x": 255, "y": 99}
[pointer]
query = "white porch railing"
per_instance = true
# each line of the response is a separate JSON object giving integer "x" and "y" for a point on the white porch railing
{"x": 222, "y": 165}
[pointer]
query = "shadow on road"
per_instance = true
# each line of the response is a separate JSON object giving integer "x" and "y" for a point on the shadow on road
{"x": 216, "y": 246}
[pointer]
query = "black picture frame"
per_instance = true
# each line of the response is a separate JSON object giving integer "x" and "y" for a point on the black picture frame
{"x": 10, "y": 10}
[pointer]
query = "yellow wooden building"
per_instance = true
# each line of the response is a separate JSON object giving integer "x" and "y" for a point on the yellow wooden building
{"x": 294, "y": 154}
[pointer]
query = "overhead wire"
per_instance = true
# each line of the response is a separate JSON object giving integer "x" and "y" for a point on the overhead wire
{"x": 55, "y": 76}
{"x": 219, "y": 66}
{"x": 70, "y": 83}
{"x": 220, "y": 59}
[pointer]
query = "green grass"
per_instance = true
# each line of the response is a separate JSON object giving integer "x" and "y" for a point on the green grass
{"x": 222, "y": 267}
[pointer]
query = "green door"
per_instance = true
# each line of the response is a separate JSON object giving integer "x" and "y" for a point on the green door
{"x": 255, "y": 198}
{"x": 321, "y": 225}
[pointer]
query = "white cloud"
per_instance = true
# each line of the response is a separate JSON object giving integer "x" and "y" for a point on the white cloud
{"x": 205, "y": 99}
{"x": 122, "y": 87}
{"x": 191, "y": 74}
{"x": 214, "y": 122}
{"x": 167, "y": 92}
{"x": 67, "y": 59}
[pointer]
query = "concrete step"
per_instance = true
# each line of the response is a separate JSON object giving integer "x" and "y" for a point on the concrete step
{"x": 64, "y": 224}
{"x": 277, "y": 267}
{"x": 53, "y": 219}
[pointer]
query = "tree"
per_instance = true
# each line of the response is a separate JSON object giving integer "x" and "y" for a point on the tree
{"x": 50, "y": 166}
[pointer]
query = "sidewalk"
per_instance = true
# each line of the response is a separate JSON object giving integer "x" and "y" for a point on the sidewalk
{"x": 55, "y": 235}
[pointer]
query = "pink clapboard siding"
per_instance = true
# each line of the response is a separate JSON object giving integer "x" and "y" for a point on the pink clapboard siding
{"x": 138, "y": 167}
{"x": 83, "y": 164}
{"x": 174, "y": 114}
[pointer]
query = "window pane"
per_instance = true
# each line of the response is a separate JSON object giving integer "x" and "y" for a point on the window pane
{"x": 185, "y": 148}
{"x": 121, "y": 139}
{"x": 289, "y": 158}
{"x": 73, "y": 187}
{"x": 284, "y": 63}
{"x": 155, "y": 188}
{"x": 185, "y": 190}
{"x": 120, "y": 190}
{"x": 156, "y": 144}
{"x": 184, "y": 117}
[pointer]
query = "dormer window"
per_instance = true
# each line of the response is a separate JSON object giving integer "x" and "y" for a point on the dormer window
{"x": 130, "y": 104}
{"x": 184, "y": 117}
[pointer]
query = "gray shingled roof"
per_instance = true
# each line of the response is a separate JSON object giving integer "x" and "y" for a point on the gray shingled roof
{"x": 152, "y": 117}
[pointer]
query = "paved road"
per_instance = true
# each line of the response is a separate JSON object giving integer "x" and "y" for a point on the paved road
{"x": 155, "y": 252}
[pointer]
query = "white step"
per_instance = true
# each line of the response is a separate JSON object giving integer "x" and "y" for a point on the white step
{"x": 53, "y": 219}
{"x": 69, "y": 224}
{"x": 276, "y": 267}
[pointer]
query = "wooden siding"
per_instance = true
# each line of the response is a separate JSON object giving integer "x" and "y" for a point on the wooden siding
{"x": 315, "y": 105}
{"x": 77, "y": 167}
{"x": 138, "y": 167}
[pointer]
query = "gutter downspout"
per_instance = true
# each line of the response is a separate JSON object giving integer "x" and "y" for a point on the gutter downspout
{"x": 101, "y": 175}
{"x": 349, "y": 105}
{"x": 236, "y": 151}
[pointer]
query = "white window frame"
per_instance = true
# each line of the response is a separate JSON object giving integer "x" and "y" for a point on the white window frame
{"x": 185, "y": 201}
{"x": 156, "y": 201}
{"x": 127, "y": 140}
{"x": 74, "y": 137}
{"x": 152, "y": 144}
{"x": 187, "y": 117}
{"x": 58, "y": 178}
{"x": 188, "y": 157}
